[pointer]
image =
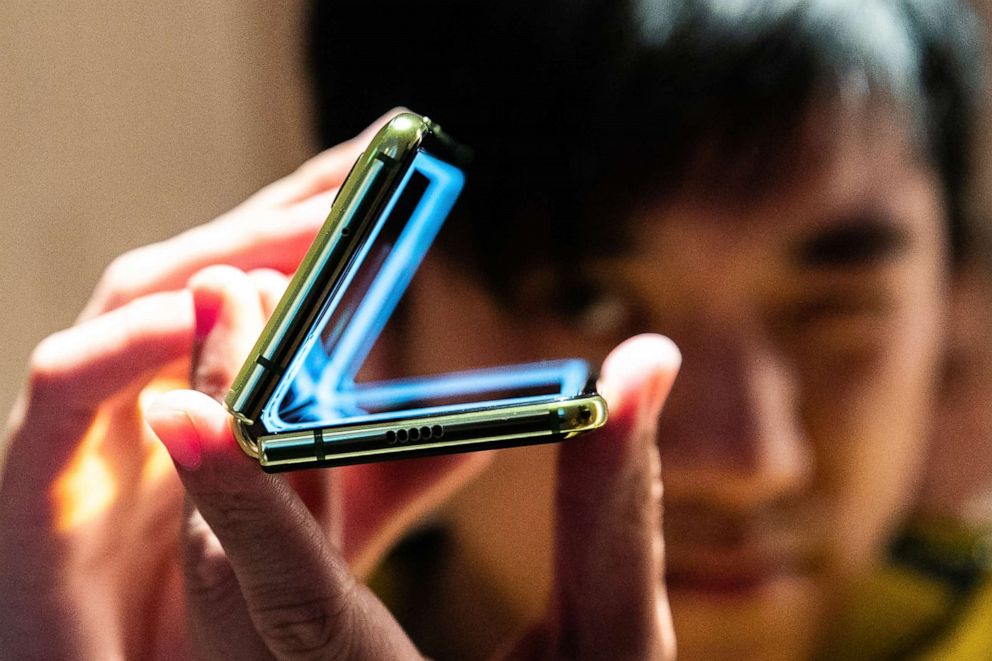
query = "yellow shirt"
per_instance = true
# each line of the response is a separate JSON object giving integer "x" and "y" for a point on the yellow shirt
{"x": 932, "y": 601}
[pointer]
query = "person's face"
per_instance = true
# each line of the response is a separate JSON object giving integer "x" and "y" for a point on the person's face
{"x": 811, "y": 328}
{"x": 810, "y": 324}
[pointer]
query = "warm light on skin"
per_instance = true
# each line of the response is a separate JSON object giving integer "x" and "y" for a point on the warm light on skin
{"x": 88, "y": 487}
{"x": 157, "y": 461}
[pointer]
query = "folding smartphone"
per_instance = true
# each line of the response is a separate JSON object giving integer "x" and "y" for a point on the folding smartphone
{"x": 296, "y": 402}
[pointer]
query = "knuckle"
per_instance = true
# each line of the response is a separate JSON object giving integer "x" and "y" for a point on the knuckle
{"x": 120, "y": 269}
{"x": 115, "y": 280}
{"x": 213, "y": 377}
{"x": 210, "y": 581}
{"x": 47, "y": 366}
{"x": 236, "y": 514}
{"x": 268, "y": 277}
{"x": 209, "y": 577}
{"x": 302, "y": 628}
{"x": 269, "y": 282}
{"x": 217, "y": 274}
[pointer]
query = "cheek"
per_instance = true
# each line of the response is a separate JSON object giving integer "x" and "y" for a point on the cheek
{"x": 451, "y": 324}
{"x": 869, "y": 421}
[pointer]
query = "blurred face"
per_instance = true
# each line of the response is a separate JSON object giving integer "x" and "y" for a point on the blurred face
{"x": 811, "y": 326}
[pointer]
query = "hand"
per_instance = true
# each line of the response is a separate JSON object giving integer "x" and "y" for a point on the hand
{"x": 608, "y": 596}
{"x": 89, "y": 506}
{"x": 268, "y": 581}
{"x": 261, "y": 552}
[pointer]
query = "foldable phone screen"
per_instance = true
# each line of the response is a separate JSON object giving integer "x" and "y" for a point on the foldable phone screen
{"x": 319, "y": 389}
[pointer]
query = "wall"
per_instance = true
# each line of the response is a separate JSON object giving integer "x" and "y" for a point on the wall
{"x": 122, "y": 123}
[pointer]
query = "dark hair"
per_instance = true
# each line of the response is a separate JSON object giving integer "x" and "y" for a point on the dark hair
{"x": 579, "y": 109}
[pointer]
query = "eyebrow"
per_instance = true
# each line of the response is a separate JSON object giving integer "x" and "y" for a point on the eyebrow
{"x": 854, "y": 241}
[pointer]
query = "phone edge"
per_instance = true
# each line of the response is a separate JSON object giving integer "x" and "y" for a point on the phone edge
{"x": 498, "y": 427}
{"x": 391, "y": 149}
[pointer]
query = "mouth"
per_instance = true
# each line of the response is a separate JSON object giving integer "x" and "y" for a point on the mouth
{"x": 727, "y": 557}
{"x": 739, "y": 571}
{"x": 733, "y": 581}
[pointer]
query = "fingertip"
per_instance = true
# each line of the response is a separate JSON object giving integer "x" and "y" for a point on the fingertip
{"x": 648, "y": 351}
{"x": 271, "y": 285}
{"x": 641, "y": 369}
{"x": 216, "y": 278}
{"x": 229, "y": 317}
{"x": 189, "y": 424}
{"x": 175, "y": 429}
{"x": 209, "y": 288}
{"x": 635, "y": 381}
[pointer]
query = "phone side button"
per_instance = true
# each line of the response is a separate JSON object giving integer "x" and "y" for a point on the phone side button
{"x": 318, "y": 442}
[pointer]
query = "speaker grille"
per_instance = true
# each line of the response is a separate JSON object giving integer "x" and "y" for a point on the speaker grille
{"x": 414, "y": 434}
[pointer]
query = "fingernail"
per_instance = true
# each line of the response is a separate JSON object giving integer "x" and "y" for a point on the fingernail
{"x": 652, "y": 397}
{"x": 176, "y": 431}
{"x": 658, "y": 385}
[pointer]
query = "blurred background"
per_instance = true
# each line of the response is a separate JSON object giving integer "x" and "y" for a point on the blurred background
{"x": 125, "y": 123}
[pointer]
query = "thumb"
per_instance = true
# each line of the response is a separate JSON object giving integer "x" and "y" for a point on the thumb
{"x": 299, "y": 591}
{"x": 609, "y": 597}
{"x": 261, "y": 576}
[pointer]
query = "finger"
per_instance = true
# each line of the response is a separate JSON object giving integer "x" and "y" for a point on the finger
{"x": 54, "y": 471}
{"x": 81, "y": 366}
{"x": 273, "y": 229}
{"x": 218, "y": 620}
{"x": 300, "y": 594}
{"x": 324, "y": 171}
{"x": 267, "y": 238}
{"x": 271, "y": 285}
{"x": 239, "y": 617}
{"x": 313, "y": 486}
{"x": 385, "y": 499}
{"x": 74, "y": 371}
{"x": 233, "y": 338}
{"x": 609, "y": 597}
{"x": 229, "y": 316}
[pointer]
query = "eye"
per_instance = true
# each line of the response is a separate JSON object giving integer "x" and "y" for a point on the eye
{"x": 838, "y": 323}
{"x": 830, "y": 309}
{"x": 609, "y": 314}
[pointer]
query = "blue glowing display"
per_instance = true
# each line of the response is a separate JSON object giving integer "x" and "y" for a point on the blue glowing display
{"x": 319, "y": 388}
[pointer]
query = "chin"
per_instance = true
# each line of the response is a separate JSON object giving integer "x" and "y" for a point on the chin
{"x": 766, "y": 618}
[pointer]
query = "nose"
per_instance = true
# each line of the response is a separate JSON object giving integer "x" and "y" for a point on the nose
{"x": 731, "y": 433}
